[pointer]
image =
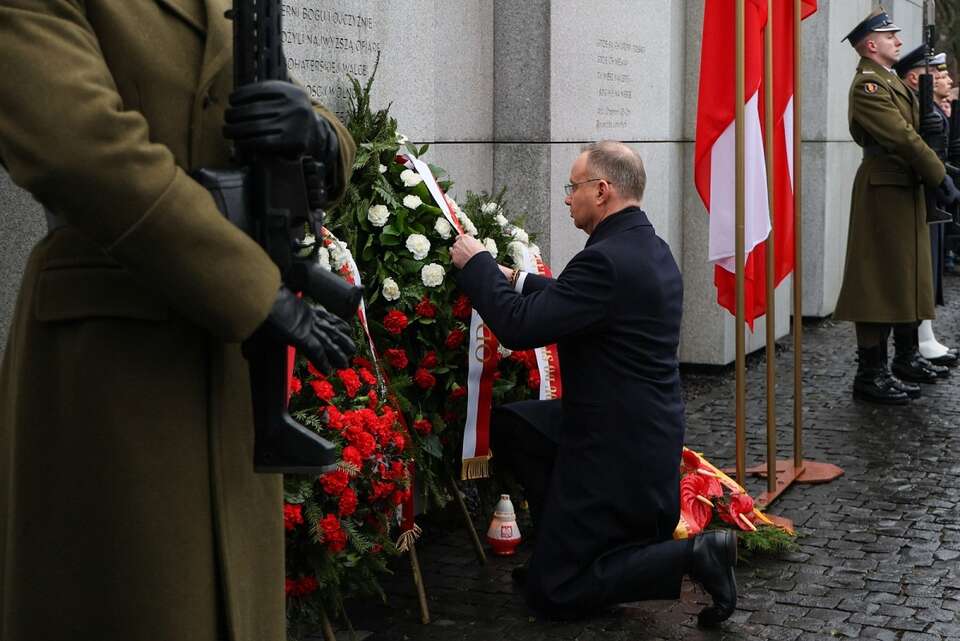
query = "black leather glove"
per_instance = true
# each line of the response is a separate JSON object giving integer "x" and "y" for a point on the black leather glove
{"x": 276, "y": 117}
{"x": 317, "y": 334}
{"x": 933, "y": 132}
{"x": 947, "y": 193}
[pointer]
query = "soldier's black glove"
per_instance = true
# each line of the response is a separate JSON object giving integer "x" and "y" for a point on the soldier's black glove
{"x": 277, "y": 117}
{"x": 320, "y": 336}
{"x": 947, "y": 193}
{"x": 933, "y": 132}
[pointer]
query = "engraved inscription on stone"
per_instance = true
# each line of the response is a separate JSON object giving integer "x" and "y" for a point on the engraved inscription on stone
{"x": 617, "y": 64}
{"x": 325, "y": 43}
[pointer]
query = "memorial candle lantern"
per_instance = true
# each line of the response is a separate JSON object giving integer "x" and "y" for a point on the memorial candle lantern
{"x": 503, "y": 533}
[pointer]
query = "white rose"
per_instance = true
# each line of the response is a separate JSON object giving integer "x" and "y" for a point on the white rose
{"x": 323, "y": 258}
{"x": 410, "y": 178}
{"x": 515, "y": 249}
{"x": 382, "y": 169}
{"x": 468, "y": 225}
{"x": 519, "y": 234}
{"x": 432, "y": 275}
{"x": 391, "y": 291}
{"x": 401, "y": 139}
{"x": 489, "y": 208}
{"x": 501, "y": 220}
{"x": 378, "y": 215}
{"x": 411, "y": 202}
{"x": 443, "y": 228}
{"x": 491, "y": 246}
{"x": 419, "y": 245}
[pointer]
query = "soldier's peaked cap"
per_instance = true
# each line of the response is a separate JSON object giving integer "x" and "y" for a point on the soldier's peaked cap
{"x": 876, "y": 21}
{"x": 917, "y": 58}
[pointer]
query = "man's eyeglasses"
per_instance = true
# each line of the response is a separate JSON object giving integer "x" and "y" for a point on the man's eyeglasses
{"x": 569, "y": 188}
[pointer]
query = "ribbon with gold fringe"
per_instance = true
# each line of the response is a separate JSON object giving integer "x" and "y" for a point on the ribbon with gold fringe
{"x": 482, "y": 365}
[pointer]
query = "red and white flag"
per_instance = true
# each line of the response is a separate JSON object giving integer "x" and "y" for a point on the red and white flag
{"x": 715, "y": 159}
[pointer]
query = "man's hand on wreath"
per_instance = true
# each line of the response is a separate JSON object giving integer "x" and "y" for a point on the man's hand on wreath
{"x": 465, "y": 248}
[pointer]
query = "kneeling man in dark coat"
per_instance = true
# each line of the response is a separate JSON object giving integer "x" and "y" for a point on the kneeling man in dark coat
{"x": 601, "y": 467}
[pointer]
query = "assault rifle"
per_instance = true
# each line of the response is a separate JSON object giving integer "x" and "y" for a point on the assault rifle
{"x": 935, "y": 214}
{"x": 268, "y": 198}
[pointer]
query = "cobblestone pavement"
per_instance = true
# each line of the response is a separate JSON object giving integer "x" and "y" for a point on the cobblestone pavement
{"x": 879, "y": 551}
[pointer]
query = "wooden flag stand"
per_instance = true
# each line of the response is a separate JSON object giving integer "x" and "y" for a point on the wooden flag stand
{"x": 780, "y": 474}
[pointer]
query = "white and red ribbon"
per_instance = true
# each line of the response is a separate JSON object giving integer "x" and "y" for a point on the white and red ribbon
{"x": 548, "y": 358}
{"x": 482, "y": 360}
{"x": 443, "y": 201}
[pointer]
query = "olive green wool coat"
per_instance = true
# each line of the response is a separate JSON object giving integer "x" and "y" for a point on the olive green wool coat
{"x": 129, "y": 509}
{"x": 887, "y": 276}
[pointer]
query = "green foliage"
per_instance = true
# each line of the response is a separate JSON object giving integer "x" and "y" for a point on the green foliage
{"x": 767, "y": 541}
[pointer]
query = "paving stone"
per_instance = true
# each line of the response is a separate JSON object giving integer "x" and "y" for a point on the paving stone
{"x": 879, "y": 548}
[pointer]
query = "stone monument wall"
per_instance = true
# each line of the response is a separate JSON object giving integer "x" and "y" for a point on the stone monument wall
{"x": 507, "y": 93}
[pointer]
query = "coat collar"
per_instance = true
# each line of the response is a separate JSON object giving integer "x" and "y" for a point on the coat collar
{"x": 870, "y": 66}
{"x": 219, "y": 49}
{"x": 193, "y": 12}
{"x": 619, "y": 222}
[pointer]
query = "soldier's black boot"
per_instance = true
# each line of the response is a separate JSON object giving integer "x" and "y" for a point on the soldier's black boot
{"x": 873, "y": 382}
{"x": 911, "y": 390}
{"x": 908, "y": 365}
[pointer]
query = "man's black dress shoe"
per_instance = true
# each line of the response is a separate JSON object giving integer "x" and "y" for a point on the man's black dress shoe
{"x": 712, "y": 560}
{"x": 911, "y": 390}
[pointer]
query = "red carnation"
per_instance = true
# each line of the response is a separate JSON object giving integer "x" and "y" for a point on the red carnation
{"x": 350, "y": 381}
{"x": 455, "y": 338}
{"x": 334, "y": 483}
{"x": 361, "y": 362}
{"x": 397, "y": 358}
{"x": 290, "y": 587}
{"x": 395, "y": 322}
{"x": 533, "y": 379}
{"x": 352, "y": 456}
{"x": 461, "y": 308}
{"x": 334, "y": 418}
{"x": 323, "y": 389}
{"x": 457, "y": 393}
{"x": 362, "y": 440}
{"x": 367, "y": 376}
{"x": 429, "y": 360}
{"x": 399, "y": 441}
{"x": 333, "y": 536}
{"x": 307, "y": 586}
{"x": 314, "y": 371}
{"x": 348, "y": 502}
{"x": 295, "y": 385}
{"x": 425, "y": 308}
{"x": 527, "y": 357}
{"x": 373, "y": 399}
{"x": 424, "y": 379}
{"x": 292, "y": 515}
{"x": 423, "y": 426}
{"x": 379, "y": 490}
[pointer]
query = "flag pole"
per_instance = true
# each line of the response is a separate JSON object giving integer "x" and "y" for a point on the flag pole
{"x": 797, "y": 246}
{"x": 739, "y": 174}
{"x": 771, "y": 320}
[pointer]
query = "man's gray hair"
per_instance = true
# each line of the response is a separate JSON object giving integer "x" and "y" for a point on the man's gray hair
{"x": 618, "y": 164}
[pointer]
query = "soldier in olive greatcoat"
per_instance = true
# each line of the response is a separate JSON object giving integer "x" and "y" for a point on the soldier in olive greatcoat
{"x": 129, "y": 507}
{"x": 887, "y": 277}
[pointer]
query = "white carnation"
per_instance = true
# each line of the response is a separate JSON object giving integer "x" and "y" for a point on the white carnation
{"x": 410, "y": 178}
{"x": 338, "y": 255}
{"x": 515, "y": 249}
{"x": 378, "y": 215}
{"x": 443, "y": 228}
{"x": 535, "y": 250}
{"x": 504, "y": 352}
{"x": 519, "y": 234}
{"x": 391, "y": 291}
{"x": 432, "y": 275}
{"x": 491, "y": 246}
{"x": 501, "y": 220}
{"x": 468, "y": 225}
{"x": 323, "y": 258}
{"x": 401, "y": 139}
{"x": 382, "y": 169}
{"x": 419, "y": 245}
{"x": 411, "y": 202}
{"x": 489, "y": 208}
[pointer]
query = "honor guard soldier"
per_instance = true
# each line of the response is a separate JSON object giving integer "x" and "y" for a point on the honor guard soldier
{"x": 910, "y": 68}
{"x": 887, "y": 278}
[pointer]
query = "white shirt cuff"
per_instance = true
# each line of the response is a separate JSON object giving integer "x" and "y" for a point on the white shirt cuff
{"x": 519, "y": 285}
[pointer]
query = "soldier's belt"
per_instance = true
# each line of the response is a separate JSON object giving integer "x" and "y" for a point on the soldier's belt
{"x": 873, "y": 151}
